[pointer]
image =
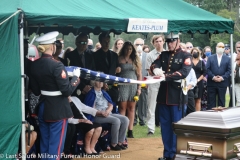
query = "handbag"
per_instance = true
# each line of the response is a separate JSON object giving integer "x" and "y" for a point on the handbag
{"x": 195, "y": 90}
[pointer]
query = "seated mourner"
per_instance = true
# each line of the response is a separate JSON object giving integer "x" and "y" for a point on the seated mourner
{"x": 91, "y": 130}
{"x": 100, "y": 100}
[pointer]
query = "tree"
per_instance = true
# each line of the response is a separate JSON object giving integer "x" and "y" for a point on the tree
{"x": 225, "y": 8}
{"x": 210, "y": 5}
{"x": 225, "y": 37}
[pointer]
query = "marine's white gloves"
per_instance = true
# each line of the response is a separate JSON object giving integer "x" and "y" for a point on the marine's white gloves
{"x": 158, "y": 72}
{"x": 76, "y": 72}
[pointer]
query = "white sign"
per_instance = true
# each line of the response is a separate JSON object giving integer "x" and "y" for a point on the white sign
{"x": 147, "y": 25}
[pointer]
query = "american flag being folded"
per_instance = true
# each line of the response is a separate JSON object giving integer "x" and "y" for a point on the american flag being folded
{"x": 97, "y": 76}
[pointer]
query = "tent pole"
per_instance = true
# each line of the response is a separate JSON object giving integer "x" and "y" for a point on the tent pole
{"x": 26, "y": 29}
{"x": 232, "y": 71}
{"x": 23, "y": 138}
{"x": 35, "y": 35}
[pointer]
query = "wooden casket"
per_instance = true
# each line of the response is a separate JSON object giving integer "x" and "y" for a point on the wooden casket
{"x": 213, "y": 134}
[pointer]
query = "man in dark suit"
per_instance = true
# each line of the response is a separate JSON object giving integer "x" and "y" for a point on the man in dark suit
{"x": 218, "y": 70}
{"x": 107, "y": 61}
{"x": 81, "y": 57}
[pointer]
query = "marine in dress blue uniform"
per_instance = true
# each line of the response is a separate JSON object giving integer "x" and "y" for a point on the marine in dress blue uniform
{"x": 49, "y": 79}
{"x": 175, "y": 65}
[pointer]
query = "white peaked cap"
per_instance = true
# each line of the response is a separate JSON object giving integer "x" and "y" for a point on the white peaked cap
{"x": 47, "y": 38}
{"x": 172, "y": 37}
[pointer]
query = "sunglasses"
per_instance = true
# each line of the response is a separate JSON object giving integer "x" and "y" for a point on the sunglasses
{"x": 226, "y": 48}
{"x": 138, "y": 44}
{"x": 220, "y": 46}
{"x": 82, "y": 42}
{"x": 189, "y": 47}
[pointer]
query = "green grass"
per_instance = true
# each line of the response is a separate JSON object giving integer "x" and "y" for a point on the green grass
{"x": 141, "y": 131}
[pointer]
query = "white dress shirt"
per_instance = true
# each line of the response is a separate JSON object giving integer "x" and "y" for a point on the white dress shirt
{"x": 151, "y": 57}
{"x": 140, "y": 56}
{"x": 219, "y": 58}
{"x": 191, "y": 78}
{"x": 82, "y": 108}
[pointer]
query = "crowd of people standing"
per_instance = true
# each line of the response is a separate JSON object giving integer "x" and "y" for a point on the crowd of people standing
{"x": 207, "y": 74}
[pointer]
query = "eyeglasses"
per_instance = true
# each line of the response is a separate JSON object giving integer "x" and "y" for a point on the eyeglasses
{"x": 138, "y": 44}
{"x": 189, "y": 47}
{"x": 82, "y": 42}
{"x": 220, "y": 46}
{"x": 226, "y": 48}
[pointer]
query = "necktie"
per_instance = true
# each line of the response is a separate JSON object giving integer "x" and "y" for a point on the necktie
{"x": 82, "y": 59}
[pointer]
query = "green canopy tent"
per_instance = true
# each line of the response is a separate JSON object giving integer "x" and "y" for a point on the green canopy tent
{"x": 77, "y": 16}
{"x": 69, "y": 16}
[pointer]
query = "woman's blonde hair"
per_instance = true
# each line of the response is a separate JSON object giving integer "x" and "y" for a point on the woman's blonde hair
{"x": 43, "y": 47}
{"x": 196, "y": 49}
{"x": 114, "y": 47}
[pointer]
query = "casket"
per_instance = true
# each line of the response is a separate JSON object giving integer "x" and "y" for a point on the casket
{"x": 209, "y": 135}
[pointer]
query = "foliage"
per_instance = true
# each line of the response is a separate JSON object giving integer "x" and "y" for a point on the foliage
{"x": 225, "y": 37}
{"x": 196, "y": 39}
{"x": 69, "y": 40}
{"x": 225, "y": 8}
{"x": 209, "y": 5}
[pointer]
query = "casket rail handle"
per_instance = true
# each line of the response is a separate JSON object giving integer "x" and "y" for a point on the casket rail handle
{"x": 236, "y": 149}
{"x": 198, "y": 149}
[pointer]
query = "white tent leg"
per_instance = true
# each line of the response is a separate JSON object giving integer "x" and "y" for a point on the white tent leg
{"x": 232, "y": 71}
{"x": 23, "y": 138}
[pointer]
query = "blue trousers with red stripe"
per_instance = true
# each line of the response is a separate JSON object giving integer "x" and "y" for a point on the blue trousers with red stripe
{"x": 52, "y": 136}
{"x": 167, "y": 115}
